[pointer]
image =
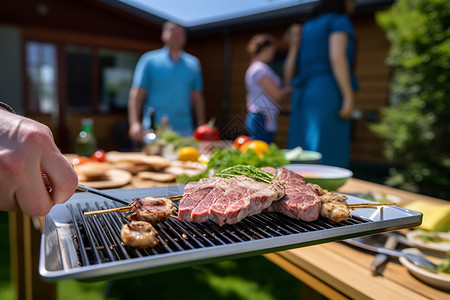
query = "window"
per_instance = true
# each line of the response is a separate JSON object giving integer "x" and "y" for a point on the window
{"x": 96, "y": 79}
{"x": 41, "y": 68}
{"x": 79, "y": 76}
{"x": 116, "y": 76}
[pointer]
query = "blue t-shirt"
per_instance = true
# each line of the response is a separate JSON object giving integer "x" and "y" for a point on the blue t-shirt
{"x": 169, "y": 86}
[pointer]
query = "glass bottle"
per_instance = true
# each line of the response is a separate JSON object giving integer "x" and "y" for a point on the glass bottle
{"x": 150, "y": 136}
{"x": 164, "y": 123}
{"x": 86, "y": 143}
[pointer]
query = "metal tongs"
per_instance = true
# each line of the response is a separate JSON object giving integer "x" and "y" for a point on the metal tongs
{"x": 83, "y": 188}
{"x": 417, "y": 260}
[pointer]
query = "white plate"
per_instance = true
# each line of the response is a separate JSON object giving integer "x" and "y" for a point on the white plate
{"x": 442, "y": 247}
{"x": 438, "y": 280}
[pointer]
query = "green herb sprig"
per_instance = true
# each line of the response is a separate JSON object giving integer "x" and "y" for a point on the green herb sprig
{"x": 249, "y": 171}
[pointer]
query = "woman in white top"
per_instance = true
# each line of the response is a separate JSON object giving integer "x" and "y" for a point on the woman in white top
{"x": 264, "y": 89}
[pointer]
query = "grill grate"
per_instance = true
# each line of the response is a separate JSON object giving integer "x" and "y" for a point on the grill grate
{"x": 83, "y": 247}
{"x": 97, "y": 237}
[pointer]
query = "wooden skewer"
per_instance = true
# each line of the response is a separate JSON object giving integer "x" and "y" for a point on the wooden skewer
{"x": 367, "y": 205}
{"x": 94, "y": 212}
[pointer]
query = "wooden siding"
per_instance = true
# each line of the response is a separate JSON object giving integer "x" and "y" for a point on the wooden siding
{"x": 92, "y": 23}
{"x": 371, "y": 70}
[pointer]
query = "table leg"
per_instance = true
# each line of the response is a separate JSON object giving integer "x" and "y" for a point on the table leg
{"x": 25, "y": 247}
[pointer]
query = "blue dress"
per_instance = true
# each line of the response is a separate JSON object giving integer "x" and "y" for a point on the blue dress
{"x": 315, "y": 123}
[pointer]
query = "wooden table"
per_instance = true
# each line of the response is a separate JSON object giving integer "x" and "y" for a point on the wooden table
{"x": 333, "y": 270}
{"x": 338, "y": 271}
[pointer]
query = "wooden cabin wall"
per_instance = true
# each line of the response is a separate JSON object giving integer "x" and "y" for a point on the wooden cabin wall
{"x": 371, "y": 70}
{"x": 374, "y": 77}
{"x": 86, "y": 23}
{"x": 91, "y": 23}
{"x": 210, "y": 50}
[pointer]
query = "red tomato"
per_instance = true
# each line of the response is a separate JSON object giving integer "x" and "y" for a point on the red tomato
{"x": 99, "y": 156}
{"x": 80, "y": 160}
{"x": 241, "y": 140}
{"x": 206, "y": 133}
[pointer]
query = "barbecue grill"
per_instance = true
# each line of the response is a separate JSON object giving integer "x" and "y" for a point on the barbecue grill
{"x": 75, "y": 246}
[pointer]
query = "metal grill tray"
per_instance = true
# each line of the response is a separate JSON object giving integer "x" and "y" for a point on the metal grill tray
{"x": 74, "y": 246}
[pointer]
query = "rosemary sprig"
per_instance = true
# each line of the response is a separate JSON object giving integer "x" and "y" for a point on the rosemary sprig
{"x": 249, "y": 171}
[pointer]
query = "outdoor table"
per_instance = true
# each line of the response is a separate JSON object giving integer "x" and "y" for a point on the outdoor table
{"x": 333, "y": 270}
{"x": 338, "y": 271}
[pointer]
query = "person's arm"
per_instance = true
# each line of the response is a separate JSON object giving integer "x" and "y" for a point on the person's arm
{"x": 135, "y": 107}
{"x": 34, "y": 174}
{"x": 275, "y": 92}
{"x": 341, "y": 71}
{"x": 198, "y": 104}
{"x": 294, "y": 38}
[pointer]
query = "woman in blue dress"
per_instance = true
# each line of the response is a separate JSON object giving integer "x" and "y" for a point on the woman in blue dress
{"x": 324, "y": 85}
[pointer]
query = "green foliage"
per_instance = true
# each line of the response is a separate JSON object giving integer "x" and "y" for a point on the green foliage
{"x": 416, "y": 127}
{"x": 229, "y": 157}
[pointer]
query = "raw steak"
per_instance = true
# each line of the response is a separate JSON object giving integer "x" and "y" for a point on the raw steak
{"x": 227, "y": 200}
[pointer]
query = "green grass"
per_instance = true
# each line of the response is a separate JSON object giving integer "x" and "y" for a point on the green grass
{"x": 253, "y": 278}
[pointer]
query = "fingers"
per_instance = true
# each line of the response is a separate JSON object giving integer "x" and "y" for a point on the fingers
{"x": 32, "y": 196}
{"x": 135, "y": 132}
{"x": 60, "y": 177}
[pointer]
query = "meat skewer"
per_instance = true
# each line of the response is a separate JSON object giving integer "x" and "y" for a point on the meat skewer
{"x": 152, "y": 210}
{"x": 368, "y": 205}
{"x": 149, "y": 209}
{"x": 158, "y": 210}
{"x": 139, "y": 234}
{"x": 335, "y": 207}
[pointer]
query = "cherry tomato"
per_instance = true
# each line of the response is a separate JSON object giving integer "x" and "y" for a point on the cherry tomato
{"x": 81, "y": 160}
{"x": 99, "y": 156}
{"x": 206, "y": 132}
{"x": 241, "y": 140}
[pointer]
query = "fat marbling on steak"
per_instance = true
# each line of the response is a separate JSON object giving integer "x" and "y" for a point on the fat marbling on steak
{"x": 300, "y": 200}
{"x": 227, "y": 200}
{"x": 194, "y": 193}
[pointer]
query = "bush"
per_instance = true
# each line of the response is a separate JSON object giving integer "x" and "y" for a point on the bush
{"x": 416, "y": 126}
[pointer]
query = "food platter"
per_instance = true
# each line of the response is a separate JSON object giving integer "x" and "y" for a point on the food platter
{"x": 439, "y": 280}
{"x": 112, "y": 179}
{"x": 432, "y": 241}
{"x": 328, "y": 177}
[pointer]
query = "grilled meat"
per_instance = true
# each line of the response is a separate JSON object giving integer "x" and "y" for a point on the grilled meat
{"x": 334, "y": 206}
{"x": 139, "y": 234}
{"x": 149, "y": 209}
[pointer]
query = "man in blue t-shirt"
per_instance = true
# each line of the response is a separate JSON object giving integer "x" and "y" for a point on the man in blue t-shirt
{"x": 169, "y": 81}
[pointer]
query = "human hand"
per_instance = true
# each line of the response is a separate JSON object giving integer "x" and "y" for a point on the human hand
{"x": 27, "y": 150}
{"x": 293, "y": 35}
{"x": 135, "y": 132}
{"x": 346, "y": 111}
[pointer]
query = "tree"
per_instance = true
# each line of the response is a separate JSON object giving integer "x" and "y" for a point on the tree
{"x": 416, "y": 126}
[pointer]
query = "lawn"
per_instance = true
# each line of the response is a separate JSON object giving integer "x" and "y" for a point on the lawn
{"x": 246, "y": 279}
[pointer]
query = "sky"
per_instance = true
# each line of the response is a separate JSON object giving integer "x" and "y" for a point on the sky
{"x": 198, "y": 12}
